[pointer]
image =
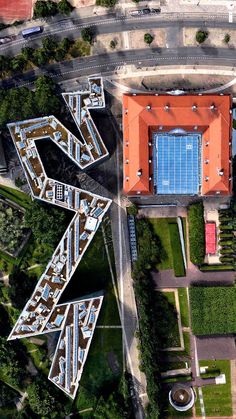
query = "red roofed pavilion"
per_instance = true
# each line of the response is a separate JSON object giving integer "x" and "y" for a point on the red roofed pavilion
{"x": 177, "y": 144}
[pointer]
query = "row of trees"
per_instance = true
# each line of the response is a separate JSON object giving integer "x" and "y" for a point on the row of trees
{"x": 50, "y": 50}
{"x": 49, "y": 8}
{"x": 21, "y": 103}
{"x": 148, "y": 328}
{"x": 196, "y": 233}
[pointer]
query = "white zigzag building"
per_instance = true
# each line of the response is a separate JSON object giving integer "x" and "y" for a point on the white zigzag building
{"x": 42, "y": 314}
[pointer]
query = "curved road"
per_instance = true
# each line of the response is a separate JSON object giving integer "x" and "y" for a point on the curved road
{"x": 107, "y": 63}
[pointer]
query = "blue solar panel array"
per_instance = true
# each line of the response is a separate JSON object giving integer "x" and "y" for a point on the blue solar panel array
{"x": 176, "y": 163}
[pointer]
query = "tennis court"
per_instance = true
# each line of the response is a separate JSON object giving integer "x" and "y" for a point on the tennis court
{"x": 176, "y": 163}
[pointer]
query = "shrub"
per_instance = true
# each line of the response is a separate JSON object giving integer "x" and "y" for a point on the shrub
{"x": 64, "y": 7}
{"x": 106, "y": 3}
{"x": 201, "y": 36}
{"x": 226, "y": 38}
{"x": 216, "y": 268}
{"x": 148, "y": 38}
{"x": 196, "y": 233}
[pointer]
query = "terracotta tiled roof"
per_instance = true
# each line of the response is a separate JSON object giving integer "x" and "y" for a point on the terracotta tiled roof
{"x": 144, "y": 113}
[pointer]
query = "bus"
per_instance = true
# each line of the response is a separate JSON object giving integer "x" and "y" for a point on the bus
{"x": 31, "y": 31}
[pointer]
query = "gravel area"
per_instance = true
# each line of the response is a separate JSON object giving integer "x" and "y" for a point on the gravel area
{"x": 137, "y": 38}
{"x": 215, "y": 37}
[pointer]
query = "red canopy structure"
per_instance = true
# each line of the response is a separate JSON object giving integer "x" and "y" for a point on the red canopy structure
{"x": 210, "y": 238}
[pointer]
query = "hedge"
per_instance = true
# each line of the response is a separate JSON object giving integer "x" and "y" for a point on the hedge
{"x": 226, "y": 259}
{"x": 226, "y": 227}
{"x": 177, "y": 255}
{"x": 196, "y": 233}
{"x": 226, "y": 235}
{"x": 226, "y": 242}
{"x": 216, "y": 268}
{"x": 213, "y": 310}
{"x": 226, "y": 251}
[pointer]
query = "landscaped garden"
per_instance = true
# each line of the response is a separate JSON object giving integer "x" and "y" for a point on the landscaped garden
{"x": 213, "y": 310}
{"x": 217, "y": 398}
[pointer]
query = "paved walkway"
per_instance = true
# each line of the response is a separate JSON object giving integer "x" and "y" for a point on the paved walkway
{"x": 166, "y": 279}
{"x": 233, "y": 385}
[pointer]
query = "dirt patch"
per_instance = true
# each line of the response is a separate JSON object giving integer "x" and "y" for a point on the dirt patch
{"x": 137, "y": 38}
{"x": 82, "y": 3}
{"x": 102, "y": 43}
{"x": 215, "y": 37}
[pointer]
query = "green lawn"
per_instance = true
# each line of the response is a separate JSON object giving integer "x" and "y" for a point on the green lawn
{"x": 217, "y": 398}
{"x": 177, "y": 255}
{"x": 172, "y": 333}
{"x": 161, "y": 229}
{"x": 16, "y": 196}
{"x": 104, "y": 365}
{"x": 183, "y": 302}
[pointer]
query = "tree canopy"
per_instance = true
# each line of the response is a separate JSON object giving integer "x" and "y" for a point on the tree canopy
{"x": 46, "y": 222}
{"x": 87, "y": 35}
{"x": 44, "y": 8}
{"x": 106, "y": 3}
{"x": 201, "y": 36}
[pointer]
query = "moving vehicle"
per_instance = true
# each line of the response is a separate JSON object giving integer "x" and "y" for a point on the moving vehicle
{"x": 31, "y": 31}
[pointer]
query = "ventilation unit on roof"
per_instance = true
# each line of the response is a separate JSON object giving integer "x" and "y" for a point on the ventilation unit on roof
{"x": 148, "y": 107}
{"x": 194, "y": 108}
{"x": 139, "y": 172}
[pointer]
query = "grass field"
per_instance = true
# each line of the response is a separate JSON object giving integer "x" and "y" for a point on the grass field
{"x": 183, "y": 302}
{"x": 177, "y": 255}
{"x": 173, "y": 339}
{"x": 161, "y": 229}
{"x": 217, "y": 398}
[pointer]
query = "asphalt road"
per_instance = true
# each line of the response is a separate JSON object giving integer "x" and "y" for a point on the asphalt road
{"x": 142, "y": 58}
{"x": 111, "y": 24}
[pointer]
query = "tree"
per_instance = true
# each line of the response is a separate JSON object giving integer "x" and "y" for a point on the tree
{"x": 148, "y": 38}
{"x": 112, "y": 44}
{"x": 87, "y": 35}
{"x": 59, "y": 54}
{"x": 27, "y": 53}
{"x": 65, "y": 44}
{"x": 64, "y": 7}
{"x": 227, "y": 38}
{"x": 106, "y": 3}
{"x": 44, "y": 8}
{"x": 49, "y": 43}
{"x": 16, "y": 104}
{"x": 46, "y": 100}
{"x": 47, "y": 223}
{"x": 4, "y": 63}
{"x": 40, "y": 57}
{"x": 201, "y": 36}
{"x": 40, "y": 400}
{"x": 17, "y": 63}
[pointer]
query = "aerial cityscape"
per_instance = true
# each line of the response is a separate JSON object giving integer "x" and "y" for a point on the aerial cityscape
{"x": 118, "y": 209}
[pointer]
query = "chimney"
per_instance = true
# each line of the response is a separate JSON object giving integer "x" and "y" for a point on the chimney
{"x": 206, "y": 161}
{"x": 148, "y": 107}
{"x": 167, "y": 107}
{"x": 194, "y": 108}
{"x": 212, "y": 107}
{"x": 139, "y": 172}
{"x": 221, "y": 172}
{"x": 206, "y": 178}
